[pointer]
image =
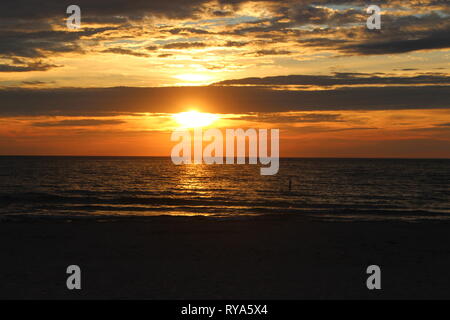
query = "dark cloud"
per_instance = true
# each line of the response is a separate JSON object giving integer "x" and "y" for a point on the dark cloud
{"x": 77, "y": 123}
{"x": 308, "y": 14}
{"x": 29, "y": 50}
{"x": 184, "y": 45}
{"x": 125, "y": 100}
{"x": 272, "y": 52}
{"x": 221, "y": 13}
{"x": 39, "y": 44}
{"x": 344, "y": 30}
{"x": 110, "y": 20}
{"x": 292, "y": 118}
{"x": 237, "y": 44}
{"x": 322, "y": 42}
{"x": 434, "y": 40}
{"x": 399, "y": 34}
{"x": 264, "y": 26}
{"x": 341, "y": 79}
{"x": 25, "y": 67}
{"x": 407, "y": 69}
{"x": 350, "y": 129}
{"x": 36, "y": 83}
{"x": 186, "y": 31}
{"x": 32, "y": 29}
{"x": 26, "y": 9}
{"x": 126, "y": 52}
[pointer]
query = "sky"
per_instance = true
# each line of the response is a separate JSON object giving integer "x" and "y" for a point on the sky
{"x": 312, "y": 69}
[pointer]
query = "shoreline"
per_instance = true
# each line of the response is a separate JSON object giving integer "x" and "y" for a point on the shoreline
{"x": 338, "y": 216}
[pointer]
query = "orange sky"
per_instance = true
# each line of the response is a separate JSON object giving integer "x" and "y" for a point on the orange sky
{"x": 308, "y": 68}
{"x": 347, "y": 134}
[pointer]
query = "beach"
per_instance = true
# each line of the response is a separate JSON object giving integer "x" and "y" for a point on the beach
{"x": 273, "y": 257}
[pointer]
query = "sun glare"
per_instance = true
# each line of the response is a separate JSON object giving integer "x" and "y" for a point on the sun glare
{"x": 194, "y": 79}
{"x": 195, "y": 119}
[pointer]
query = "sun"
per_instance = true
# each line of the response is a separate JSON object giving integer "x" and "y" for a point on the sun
{"x": 195, "y": 119}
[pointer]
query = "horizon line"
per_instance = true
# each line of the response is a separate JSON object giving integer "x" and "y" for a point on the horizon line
{"x": 295, "y": 157}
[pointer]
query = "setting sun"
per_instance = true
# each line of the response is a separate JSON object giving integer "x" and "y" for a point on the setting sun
{"x": 195, "y": 119}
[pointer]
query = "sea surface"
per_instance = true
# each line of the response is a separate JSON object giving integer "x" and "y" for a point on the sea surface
{"x": 111, "y": 187}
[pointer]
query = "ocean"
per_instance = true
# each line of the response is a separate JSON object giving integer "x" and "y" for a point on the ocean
{"x": 113, "y": 187}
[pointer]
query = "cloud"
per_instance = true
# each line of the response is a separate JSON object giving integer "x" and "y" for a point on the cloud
{"x": 435, "y": 40}
{"x": 443, "y": 125}
{"x": 35, "y": 83}
{"x": 237, "y": 44}
{"x": 36, "y": 31}
{"x": 309, "y": 14}
{"x": 127, "y": 100}
{"x": 38, "y": 44}
{"x": 292, "y": 118}
{"x": 184, "y": 45}
{"x": 272, "y": 52}
{"x": 221, "y": 13}
{"x": 24, "y": 67}
{"x": 24, "y": 9}
{"x": 323, "y": 42}
{"x": 126, "y": 52}
{"x": 186, "y": 31}
{"x": 78, "y": 123}
{"x": 341, "y": 79}
{"x": 28, "y": 51}
{"x": 414, "y": 27}
{"x": 399, "y": 34}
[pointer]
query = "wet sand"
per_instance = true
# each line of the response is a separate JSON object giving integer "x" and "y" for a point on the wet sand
{"x": 196, "y": 258}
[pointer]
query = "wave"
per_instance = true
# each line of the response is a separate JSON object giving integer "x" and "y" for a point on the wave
{"x": 47, "y": 205}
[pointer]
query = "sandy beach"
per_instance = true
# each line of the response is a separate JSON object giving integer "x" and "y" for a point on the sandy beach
{"x": 198, "y": 258}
